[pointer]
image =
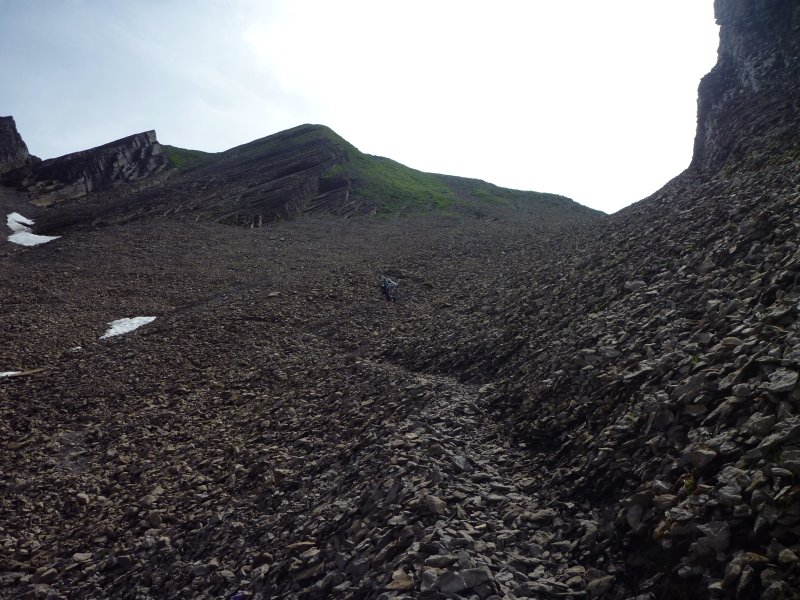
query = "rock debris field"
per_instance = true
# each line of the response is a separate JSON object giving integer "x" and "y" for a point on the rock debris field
{"x": 253, "y": 439}
{"x": 561, "y": 412}
{"x": 560, "y": 404}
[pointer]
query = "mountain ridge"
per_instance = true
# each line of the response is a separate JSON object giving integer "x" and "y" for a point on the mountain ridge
{"x": 305, "y": 169}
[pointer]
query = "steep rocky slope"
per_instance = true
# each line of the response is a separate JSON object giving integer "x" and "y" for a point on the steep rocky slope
{"x": 251, "y": 438}
{"x": 555, "y": 408}
{"x": 656, "y": 377}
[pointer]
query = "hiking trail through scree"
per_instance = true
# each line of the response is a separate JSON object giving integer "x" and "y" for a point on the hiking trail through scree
{"x": 451, "y": 509}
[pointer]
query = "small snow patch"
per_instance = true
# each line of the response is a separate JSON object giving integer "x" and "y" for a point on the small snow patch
{"x": 16, "y": 222}
{"x": 22, "y": 233}
{"x": 9, "y": 373}
{"x": 121, "y": 326}
{"x": 26, "y": 238}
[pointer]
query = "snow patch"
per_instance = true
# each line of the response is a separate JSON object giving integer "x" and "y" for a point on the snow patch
{"x": 22, "y": 233}
{"x": 121, "y": 326}
{"x": 26, "y": 238}
{"x": 16, "y": 222}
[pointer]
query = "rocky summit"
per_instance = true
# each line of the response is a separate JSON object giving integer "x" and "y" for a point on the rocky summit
{"x": 558, "y": 403}
{"x": 13, "y": 151}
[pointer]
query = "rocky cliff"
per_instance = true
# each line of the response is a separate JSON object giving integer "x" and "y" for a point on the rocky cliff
{"x": 75, "y": 175}
{"x": 13, "y": 151}
{"x": 748, "y": 105}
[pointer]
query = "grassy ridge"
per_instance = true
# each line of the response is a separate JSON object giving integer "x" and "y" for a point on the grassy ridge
{"x": 476, "y": 192}
{"x": 390, "y": 186}
{"x": 378, "y": 183}
{"x": 182, "y": 158}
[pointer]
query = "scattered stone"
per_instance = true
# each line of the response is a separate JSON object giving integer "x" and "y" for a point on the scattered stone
{"x": 475, "y": 577}
{"x": 401, "y": 581}
{"x": 782, "y": 381}
{"x": 598, "y": 587}
{"x": 450, "y": 582}
{"x": 698, "y": 457}
{"x": 434, "y": 504}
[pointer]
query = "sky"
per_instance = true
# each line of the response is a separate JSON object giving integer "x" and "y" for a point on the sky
{"x": 592, "y": 100}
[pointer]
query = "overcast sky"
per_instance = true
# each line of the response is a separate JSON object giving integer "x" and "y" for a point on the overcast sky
{"x": 593, "y": 100}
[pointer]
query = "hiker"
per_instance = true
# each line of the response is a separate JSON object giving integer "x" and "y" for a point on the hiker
{"x": 387, "y": 289}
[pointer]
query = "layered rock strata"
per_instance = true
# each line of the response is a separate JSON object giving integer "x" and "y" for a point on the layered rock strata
{"x": 271, "y": 179}
{"x": 748, "y": 105}
{"x": 132, "y": 158}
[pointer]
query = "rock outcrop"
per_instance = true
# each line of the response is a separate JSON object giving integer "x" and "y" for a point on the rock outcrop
{"x": 748, "y": 105}
{"x": 270, "y": 179}
{"x": 75, "y": 175}
{"x": 13, "y": 151}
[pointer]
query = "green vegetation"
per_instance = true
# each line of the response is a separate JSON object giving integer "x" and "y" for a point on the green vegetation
{"x": 182, "y": 158}
{"x": 392, "y": 187}
{"x": 484, "y": 192}
{"x": 379, "y": 182}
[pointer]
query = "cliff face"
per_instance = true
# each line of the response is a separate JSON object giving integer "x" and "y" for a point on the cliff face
{"x": 74, "y": 175}
{"x": 748, "y": 105}
{"x": 13, "y": 151}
